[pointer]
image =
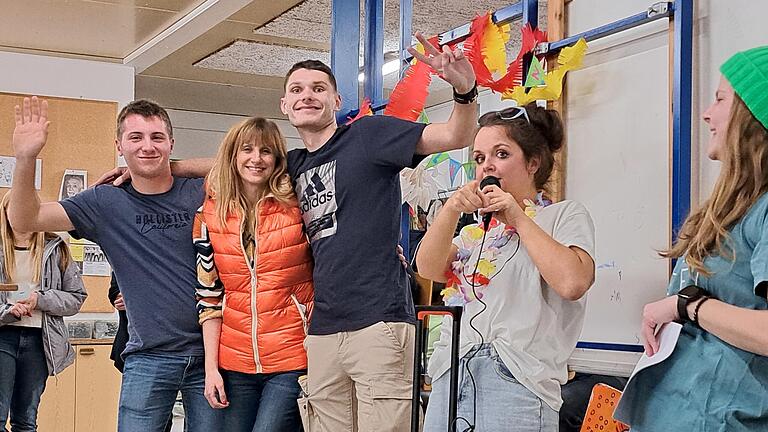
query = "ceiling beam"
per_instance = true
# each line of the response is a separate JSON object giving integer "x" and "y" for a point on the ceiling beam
{"x": 192, "y": 25}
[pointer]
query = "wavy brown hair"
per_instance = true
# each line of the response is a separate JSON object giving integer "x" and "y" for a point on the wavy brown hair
{"x": 224, "y": 182}
{"x": 742, "y": 180}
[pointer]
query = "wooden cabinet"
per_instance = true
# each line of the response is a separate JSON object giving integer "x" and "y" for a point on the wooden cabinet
{"x": 84, "y": 397}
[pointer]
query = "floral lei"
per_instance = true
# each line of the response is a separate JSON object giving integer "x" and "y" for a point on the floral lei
{"x": 458, "y": 288}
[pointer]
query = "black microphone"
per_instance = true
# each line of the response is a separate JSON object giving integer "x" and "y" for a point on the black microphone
{"x": 488, "y": 181}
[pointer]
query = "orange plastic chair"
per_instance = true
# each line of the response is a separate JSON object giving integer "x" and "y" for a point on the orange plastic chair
{"x": 599, "y": 416}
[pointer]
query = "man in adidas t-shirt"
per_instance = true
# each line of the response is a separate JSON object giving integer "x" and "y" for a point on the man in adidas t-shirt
{"x": 361, "y": 335}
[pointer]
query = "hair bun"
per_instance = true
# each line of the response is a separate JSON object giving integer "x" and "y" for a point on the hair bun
{"x": 549, "y": 125}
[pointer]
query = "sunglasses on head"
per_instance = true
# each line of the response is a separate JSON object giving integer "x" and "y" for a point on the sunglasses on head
{"x": 512, "y": 113}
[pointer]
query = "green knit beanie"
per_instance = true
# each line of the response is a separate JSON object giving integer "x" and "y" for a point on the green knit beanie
{"x": 747, "y": 71}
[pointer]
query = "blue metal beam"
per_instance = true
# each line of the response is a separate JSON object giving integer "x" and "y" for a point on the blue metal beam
{"x": 406, "y": 13}
{"x": 530, "y": 12}
{"x": 681, "y": 112}
{"x": 374, "y": 49}
{"x": 406, "y": 31}
{"x": 345, "y": 52}
{"x": 655, "y": 12}
{"x": 502, "y": 16}
{"x": 530, "y": 17}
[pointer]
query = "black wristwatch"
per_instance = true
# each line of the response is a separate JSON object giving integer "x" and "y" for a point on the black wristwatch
{"x": 686, "y": 296}
{"x": 466, "y": 98}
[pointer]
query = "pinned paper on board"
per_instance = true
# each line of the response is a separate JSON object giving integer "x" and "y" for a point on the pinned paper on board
{"x": 90, "y": 258}
{"x": 95, "y": 261}
{"x": 72, "y": 183}
{"x": 8, "y": 164}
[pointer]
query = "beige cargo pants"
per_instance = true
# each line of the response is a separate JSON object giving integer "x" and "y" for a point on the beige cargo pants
{"x": 359, "y": 380}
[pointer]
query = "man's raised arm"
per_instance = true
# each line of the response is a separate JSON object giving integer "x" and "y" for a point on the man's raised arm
{"x": 25, "y": 211}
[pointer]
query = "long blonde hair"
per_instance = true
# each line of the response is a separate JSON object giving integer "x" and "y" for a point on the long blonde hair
{"x": 224, "y": 182}
{"x": 742, "y": 180}
{"x": 37, "y": 246}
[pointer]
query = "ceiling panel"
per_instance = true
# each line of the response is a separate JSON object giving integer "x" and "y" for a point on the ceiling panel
{"x": 107, "y": 29}
{"x": 169, "y": 5}
{"x": 266, "y": 59}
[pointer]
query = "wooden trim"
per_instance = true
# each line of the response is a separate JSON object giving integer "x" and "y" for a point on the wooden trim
{"x": 556, "y": 30}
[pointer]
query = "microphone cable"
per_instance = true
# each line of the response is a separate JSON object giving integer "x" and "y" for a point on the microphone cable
{"x": 473, "y": 283}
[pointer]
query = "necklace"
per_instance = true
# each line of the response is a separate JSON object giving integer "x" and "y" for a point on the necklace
{"x": 459, "y": 285}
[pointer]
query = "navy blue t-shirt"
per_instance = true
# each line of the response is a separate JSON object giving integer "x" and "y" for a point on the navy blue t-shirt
{"x": 349, "y": 196}
{"x": 148, "y": 241}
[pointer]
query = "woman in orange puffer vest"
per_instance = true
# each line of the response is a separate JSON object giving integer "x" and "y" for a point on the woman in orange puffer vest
{"x": 254, "y": 271}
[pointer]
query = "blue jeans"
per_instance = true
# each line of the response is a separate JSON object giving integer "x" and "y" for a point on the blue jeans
{"x": 23, "y": 373}
{"x": 262, "y": 402}
{"x": 502, "y": 403}
{"x": 150, "y": 385}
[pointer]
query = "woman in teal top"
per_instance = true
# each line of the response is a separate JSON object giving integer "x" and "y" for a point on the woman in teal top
{"x": 717, "y": 376}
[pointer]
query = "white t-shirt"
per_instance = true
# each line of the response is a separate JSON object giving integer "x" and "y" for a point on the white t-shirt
{"x": 24, "y": 277}
{"x": 532, "y": 328}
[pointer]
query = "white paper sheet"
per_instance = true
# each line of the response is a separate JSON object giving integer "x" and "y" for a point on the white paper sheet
{"x": 668, "y": 336}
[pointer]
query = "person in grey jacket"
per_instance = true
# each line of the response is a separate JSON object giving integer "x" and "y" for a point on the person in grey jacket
{"x": 40, "y": 285}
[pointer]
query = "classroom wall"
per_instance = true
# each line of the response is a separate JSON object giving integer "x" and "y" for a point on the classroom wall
{"x": 64, "y": 77}
{"x": 69, "y": 78}
{"x": 617, "y": 119}
{"x": 198, "y": 134}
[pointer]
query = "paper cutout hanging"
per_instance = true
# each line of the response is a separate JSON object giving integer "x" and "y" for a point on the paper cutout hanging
{"x": 482, "y": 56}
{"x": 494, "y": 41}
{"x": 437, "y": 158}
{"x": 418, "y": 187}
{"x": 365, "y": 110}
{"x": 410, "y": 94}
{"x": 535, "y": 74}
{"x": 570, "y": 58}
{"x": 469, "y": 169}
{"x": 485, "y": 49}
{"x": 453, "y": 170}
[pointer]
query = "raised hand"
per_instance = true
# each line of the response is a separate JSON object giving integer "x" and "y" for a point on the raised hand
{"x": 31, "y": 130}
{"x": 452, "y": 65}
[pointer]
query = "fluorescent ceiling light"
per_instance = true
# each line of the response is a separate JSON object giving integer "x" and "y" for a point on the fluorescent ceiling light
{"x": 389, "y": 67}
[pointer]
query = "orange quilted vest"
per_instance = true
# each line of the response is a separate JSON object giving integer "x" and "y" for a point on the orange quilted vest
{"x": 266, "y": 310}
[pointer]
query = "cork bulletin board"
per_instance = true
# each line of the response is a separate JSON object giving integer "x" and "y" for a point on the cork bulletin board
{"x": 82, "y": 137}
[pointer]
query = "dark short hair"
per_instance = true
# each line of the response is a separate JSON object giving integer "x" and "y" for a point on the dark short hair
{"x": 311, "y": 65}
{"x": 146, "y": 109}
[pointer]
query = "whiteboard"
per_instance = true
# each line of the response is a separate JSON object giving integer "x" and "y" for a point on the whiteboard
{"x": 618, "y": 166}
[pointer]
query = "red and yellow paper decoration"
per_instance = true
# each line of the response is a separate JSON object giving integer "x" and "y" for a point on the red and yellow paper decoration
{"x": 570, "y": 58}
{"x": 486, "y": 52}
{"x": 410, "y": 94}
{"x": 364, "y": 111}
